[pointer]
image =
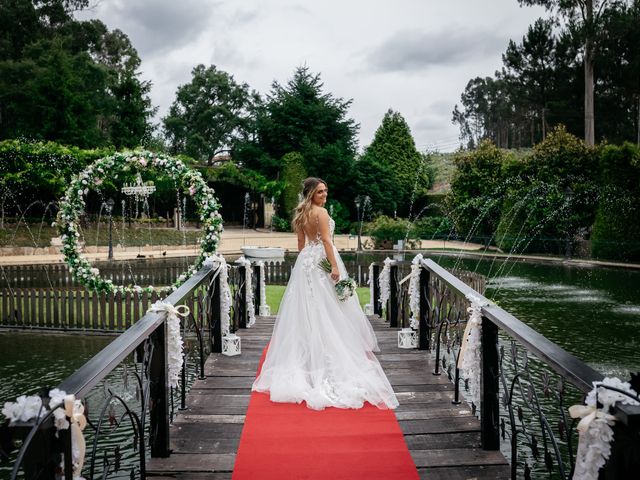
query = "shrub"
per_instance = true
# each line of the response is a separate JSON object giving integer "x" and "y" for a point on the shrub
{"x": 477, "y": 188}
{"x": 616, "y": 230}
{"x": 280, "y": 224}
{"x": 340, "y": 215}
{"x": 433, "y": 227}
{"x": 39, "y": 171}
{"x": 386, "y": 231}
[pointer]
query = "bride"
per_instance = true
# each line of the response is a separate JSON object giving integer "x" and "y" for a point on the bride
{"x": 321, "y": 348}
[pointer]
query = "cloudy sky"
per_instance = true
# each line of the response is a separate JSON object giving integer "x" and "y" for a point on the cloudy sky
{"x": 414, "y": 56}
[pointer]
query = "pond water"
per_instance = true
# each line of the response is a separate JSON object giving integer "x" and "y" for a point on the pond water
{"x": 592, "y": 312}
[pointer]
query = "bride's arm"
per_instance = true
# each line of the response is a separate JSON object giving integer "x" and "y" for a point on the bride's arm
{"x": 325, "y": 236}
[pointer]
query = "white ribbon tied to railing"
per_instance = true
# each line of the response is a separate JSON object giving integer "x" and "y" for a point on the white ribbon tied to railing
{"x": 68, "y": 407}
{"x": 174, "y": 339}
{"x": 75, "y": 411}
{"x": 596, "y": 434}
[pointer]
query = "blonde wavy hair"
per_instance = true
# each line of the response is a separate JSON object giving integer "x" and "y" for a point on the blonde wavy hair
{"x": 302, "y": 213}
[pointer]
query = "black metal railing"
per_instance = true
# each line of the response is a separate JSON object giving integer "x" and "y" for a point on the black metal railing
{"x": 526, "y": 382}
{"x": 124, "y": 388}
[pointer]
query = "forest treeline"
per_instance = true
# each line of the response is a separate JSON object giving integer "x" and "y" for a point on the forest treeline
{"x": 542, "y": 80}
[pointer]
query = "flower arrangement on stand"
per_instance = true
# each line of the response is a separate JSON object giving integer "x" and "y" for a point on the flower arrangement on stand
{"x": 73, "y": 203}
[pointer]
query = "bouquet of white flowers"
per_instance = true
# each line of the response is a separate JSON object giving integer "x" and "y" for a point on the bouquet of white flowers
{"x": 344, "y": 288}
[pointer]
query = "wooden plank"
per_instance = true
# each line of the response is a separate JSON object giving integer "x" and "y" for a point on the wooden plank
{"x": 457, "y": 457}
{"x": 54, "y": 305}
{"x": 137, "y": 307}
{"x": 102, "y": 302}
{"x": 111, "y": 314}
{"x": 476, "y": 472}
{"x": 5, "y": 306}
{"x": 117, "y": 305}
{"x": 42, "y": 318}
{"x": 440, "y": 425}
{"x": 128, "y": 321}
{"x": 78, "y": 299}
{"x": 34, "y": 311}
{"x": 67, "y": 311}
{"x": 209, "y": 438}
{"x": 178, "y": 463}
{"x": 443, "y": 441}
{"x": 90, "y": 319}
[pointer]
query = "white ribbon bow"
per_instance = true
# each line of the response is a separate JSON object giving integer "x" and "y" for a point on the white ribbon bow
{"x": 588, "y": 414}
{"x": 161, "y": 306}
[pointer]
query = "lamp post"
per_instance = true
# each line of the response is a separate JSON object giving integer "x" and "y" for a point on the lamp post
{"x": 109, "y": 207}
{"x": 357, "y": 202}
{"x": 361, "y": 206}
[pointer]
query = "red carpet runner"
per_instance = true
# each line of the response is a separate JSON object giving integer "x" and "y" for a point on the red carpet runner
{"x": 289, "y": 441}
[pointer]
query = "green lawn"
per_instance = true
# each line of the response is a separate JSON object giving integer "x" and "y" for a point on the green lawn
{"x": 275, "y": 293}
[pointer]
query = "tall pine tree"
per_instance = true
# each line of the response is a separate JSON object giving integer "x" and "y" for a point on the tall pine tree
{"x": 392, "y": 171}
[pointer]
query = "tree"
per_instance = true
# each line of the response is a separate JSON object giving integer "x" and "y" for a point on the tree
{"x": 528, "y": 68}
{"x": 487, "y": 113}
{"x": 70, "y": 81}
{"x": 293, "y": 173}
{"x": 618, "y": 87}
{"x": 300, "y": 117}
{"x": 393, "y": 154}
{"x": 209, "y": 113}
{"x": 585, "y": 14}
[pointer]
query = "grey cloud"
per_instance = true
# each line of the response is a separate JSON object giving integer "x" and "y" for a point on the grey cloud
{"x": 411, "y": 51}
{"x": 161, "y": 25}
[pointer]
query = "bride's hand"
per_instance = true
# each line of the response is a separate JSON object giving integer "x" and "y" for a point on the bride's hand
{"x": 335, "y": 274}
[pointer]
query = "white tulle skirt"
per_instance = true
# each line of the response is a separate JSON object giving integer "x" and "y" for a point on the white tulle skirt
{"x": 321, "y": 348}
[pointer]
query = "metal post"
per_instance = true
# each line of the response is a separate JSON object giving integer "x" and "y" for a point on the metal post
{"x": 215, "y": 316}
{"x": 257, "y": 298}
{"x": 109, "y": 204}
{"x": 357, "y": 202}
{"x": 392, "y": 304}
{"x": 624, "y": 461}
{"x": 243, "y": 297}
{"x": 377, "y": 307}
{"x": 424, "y": 332}
{"x": 489, "y": 387}
{"x": 159, "y": 394}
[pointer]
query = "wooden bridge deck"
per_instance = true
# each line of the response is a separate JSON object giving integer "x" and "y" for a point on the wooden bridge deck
{"x": 444, "y": 439}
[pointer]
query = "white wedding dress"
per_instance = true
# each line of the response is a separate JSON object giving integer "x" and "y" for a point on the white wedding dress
{"x": 321, "y": 348}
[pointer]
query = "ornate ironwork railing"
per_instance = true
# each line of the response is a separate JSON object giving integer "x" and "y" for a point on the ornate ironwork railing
{"x": 125, "y": 391}
{"x": 526, "y": 382}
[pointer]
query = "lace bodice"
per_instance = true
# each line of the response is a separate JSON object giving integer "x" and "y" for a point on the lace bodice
{"x": 317, "y": 240}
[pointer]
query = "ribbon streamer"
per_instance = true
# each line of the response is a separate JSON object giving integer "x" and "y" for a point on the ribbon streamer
{"x": 74, "y": 410}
